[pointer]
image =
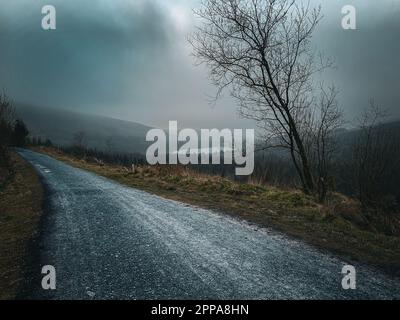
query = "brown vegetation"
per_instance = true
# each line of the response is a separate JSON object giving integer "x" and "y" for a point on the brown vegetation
{"x": 337, "y": 226}
{"x": 20, "y": 209}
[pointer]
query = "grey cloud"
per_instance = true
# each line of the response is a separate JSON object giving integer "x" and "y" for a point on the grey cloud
{"x": 93, "y": 57}
{"x": 367, "y": 58}
{"x": 126, "y": 59}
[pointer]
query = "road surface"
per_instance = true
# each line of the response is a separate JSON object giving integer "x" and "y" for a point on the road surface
{"x": 108, "y": 241}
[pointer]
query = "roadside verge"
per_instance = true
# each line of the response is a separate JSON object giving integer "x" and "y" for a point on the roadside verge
{"x": 20, "y": 210}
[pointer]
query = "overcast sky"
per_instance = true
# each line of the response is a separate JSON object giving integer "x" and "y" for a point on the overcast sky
{"x": 129, "y": 59}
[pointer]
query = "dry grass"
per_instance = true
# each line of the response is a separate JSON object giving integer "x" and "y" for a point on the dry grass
{"x": 20, "y": 209}
{"x": 337, "y": 227}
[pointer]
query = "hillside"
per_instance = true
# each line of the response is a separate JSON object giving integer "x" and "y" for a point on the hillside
{"x": 103, "y": 133}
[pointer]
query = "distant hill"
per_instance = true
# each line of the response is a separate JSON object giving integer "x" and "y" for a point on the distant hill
{"x": 348, "y": 135}
{"x": 103, "y": 133}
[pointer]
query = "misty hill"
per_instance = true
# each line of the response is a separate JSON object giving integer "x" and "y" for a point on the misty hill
{"x": 349, "y": 135}
{"x": 103, "y": 133}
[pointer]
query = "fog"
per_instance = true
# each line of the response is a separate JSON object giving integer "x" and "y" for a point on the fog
{"x": 130, "y": 59}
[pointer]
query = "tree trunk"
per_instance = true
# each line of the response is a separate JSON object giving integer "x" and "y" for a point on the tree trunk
{"x": 305, "y": 173}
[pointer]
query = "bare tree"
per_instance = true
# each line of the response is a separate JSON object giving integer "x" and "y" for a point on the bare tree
{"x": 319, "y": 131}
{"x": 261, "y": 50}
{"x": 20, "y": 133}
{"x": 6, "y": 126}
{"x": 375, "y": 156}
{"x": 109, "y": 144}
{"x": 79, "y": 143}
{"x": 78, "y": 139}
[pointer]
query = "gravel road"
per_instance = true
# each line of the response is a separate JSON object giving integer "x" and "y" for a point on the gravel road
{"x": 108, "y": 241}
